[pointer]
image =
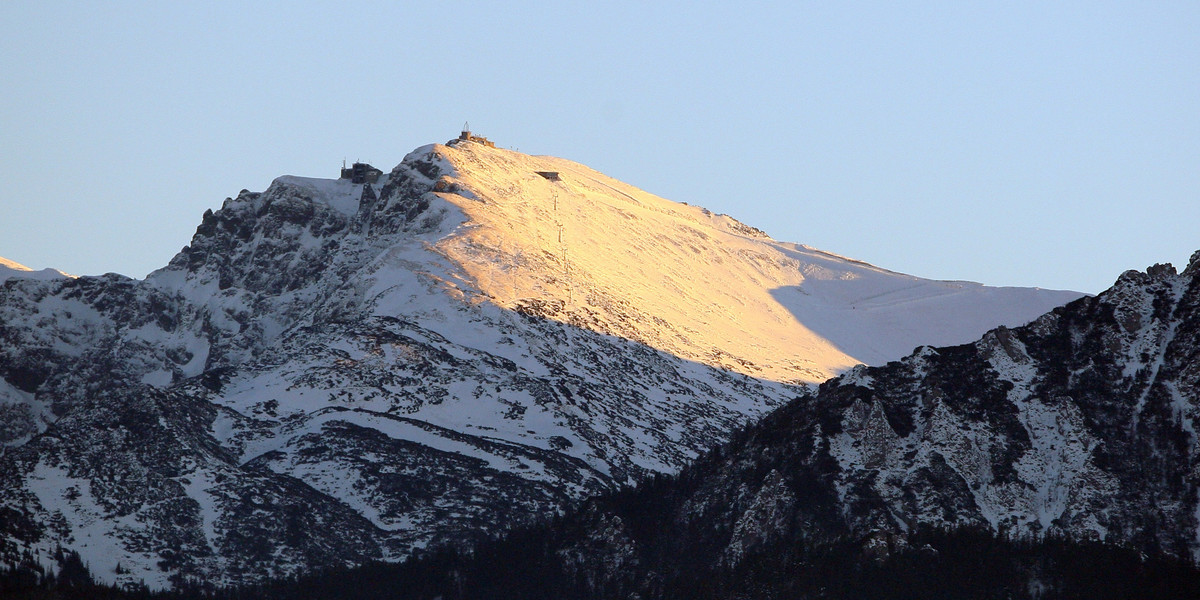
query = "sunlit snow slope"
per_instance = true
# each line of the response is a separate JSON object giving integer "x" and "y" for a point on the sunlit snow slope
{"x": 592, "y": 251}
{"x": 9, "y": 269}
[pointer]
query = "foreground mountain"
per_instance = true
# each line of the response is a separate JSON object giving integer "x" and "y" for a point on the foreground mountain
{"x": 1054, "y": 460}
{"x": 333, "y": 373}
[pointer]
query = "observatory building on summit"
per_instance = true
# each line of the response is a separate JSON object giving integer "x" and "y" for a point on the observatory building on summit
{"x": 467, "y": 136}
{"x": 361, "y": 173}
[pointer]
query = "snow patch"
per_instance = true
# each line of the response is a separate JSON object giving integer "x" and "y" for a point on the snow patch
{"x": 13, "y": 270}
{"x": 95, "y": 531}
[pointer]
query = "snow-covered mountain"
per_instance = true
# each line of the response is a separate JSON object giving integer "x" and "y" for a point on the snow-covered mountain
{"x": 335, "y": 372}
{"x": 10, "y": 269}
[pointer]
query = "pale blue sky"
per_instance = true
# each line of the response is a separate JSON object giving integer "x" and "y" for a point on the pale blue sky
{"x": 1036, "y": 144}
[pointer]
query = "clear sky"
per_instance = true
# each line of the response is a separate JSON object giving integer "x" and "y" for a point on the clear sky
{"x": 1047, "y": 144}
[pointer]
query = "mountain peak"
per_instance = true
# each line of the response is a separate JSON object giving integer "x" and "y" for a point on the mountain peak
{"x": 1193, "y": 264}
{"x": 555, "y": 239}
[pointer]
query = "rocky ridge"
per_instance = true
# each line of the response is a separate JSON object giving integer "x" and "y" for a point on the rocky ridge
{"x": 1079, "y": 426}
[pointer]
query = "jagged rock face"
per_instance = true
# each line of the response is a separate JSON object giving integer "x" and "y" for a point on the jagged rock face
{"x": 331, "y": 373}
{"x": 1080, "y": 424}
{"x": 134, "y": 480}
